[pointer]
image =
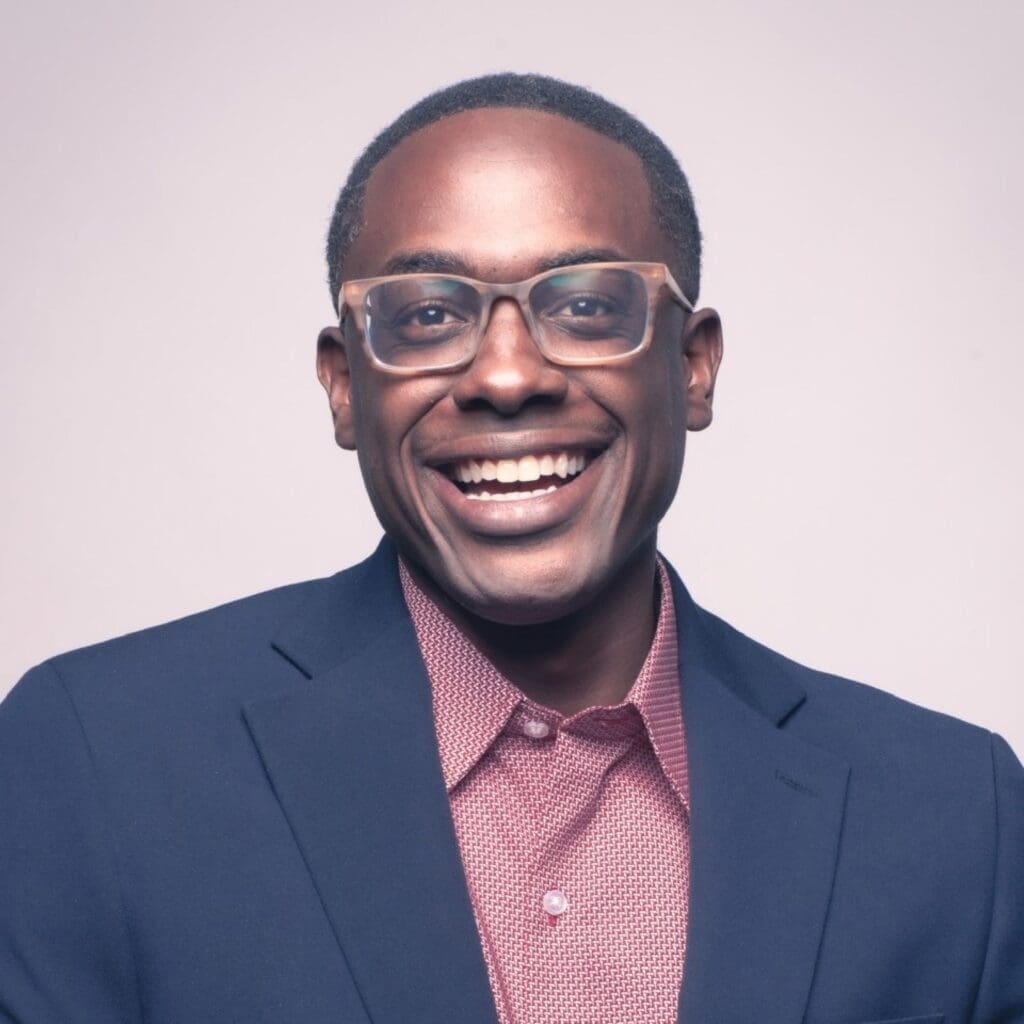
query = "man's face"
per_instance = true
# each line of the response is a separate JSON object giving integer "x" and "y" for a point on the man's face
{"x": 500, "y": 195}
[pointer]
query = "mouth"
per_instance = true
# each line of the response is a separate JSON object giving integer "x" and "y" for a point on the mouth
{"x": 510, "y": 486}
{"x": 518, "y": 479}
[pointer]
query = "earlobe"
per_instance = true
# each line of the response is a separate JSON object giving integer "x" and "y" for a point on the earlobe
{"x": 702, "y": 349}
{"x": 333, "y": 372}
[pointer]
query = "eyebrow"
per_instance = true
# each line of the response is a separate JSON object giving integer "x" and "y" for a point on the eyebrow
{"x": 572, "y": 257}
{"x": 425, "y": 261}
{"x": 440, "y": 261}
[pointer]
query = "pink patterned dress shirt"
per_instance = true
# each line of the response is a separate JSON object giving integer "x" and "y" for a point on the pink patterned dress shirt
{"x": 573, "y": 831}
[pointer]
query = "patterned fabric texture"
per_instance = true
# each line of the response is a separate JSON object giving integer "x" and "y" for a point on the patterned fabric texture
{"x": 585, "y": 815}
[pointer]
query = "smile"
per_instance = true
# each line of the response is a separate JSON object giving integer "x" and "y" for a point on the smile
{"x": 503, "y": 479}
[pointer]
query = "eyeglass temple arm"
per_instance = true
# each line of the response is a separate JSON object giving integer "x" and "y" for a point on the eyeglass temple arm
{"x": 677, "y": 292}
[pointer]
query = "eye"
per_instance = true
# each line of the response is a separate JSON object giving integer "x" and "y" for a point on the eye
{"x": 584, "y": 306}
{"x": 429, "y": 315}
{"x": 427, "y": 322}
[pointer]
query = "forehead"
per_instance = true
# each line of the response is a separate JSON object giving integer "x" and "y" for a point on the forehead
{"x": 504, "y": 190}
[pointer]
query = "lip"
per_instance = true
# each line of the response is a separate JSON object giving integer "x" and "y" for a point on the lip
{"x": 516, "y": 518}
{"x": 513, "y": 445}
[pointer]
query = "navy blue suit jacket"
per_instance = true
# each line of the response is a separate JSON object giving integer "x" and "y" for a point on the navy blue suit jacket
{"x": 240, "y": 816}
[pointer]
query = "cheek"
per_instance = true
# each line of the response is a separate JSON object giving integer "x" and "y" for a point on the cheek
{"x": 670, "y": 385}
{"x": 387, "y": 411}
{"x": 658, "y": 429}
{"x": 383, "y": 407}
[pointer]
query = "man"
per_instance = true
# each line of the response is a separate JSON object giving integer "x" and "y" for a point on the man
{"x": 505, "y": 768}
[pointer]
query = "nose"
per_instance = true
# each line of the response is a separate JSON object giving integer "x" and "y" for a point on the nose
{"x": 509, "y": 371}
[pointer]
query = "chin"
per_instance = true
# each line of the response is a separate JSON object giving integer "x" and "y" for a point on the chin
{"x": 524, "y": 588}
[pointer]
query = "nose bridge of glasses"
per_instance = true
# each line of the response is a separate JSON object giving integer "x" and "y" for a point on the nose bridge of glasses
{"x": 506, "y": 313}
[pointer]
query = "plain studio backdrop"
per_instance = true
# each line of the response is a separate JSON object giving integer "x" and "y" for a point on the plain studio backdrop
{"x": 168, "y": 175}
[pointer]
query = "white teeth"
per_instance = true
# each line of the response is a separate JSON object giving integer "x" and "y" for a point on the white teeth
{"x": 510, "y": 495}
{"x": 529, "y": 468}
{"x": 526, "y": 469}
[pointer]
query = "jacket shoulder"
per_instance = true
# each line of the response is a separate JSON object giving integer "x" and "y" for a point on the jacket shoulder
{"x": 198, "y": 634}
{"x": 858, "y": 721}
{"x": 221, "y": 654}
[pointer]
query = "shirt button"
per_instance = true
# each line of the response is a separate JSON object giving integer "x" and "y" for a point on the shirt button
{"x": 555, "y": 902}
{"x": 536, "y": 729}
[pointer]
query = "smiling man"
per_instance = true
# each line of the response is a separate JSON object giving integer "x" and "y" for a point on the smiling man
{"x": 465, "y": 397}
{"x": 505, "y": 769}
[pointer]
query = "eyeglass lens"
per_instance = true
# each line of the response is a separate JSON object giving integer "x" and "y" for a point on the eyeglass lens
{"x": 578, "y": 315}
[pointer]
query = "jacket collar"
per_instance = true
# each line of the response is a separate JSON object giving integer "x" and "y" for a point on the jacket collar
{"x": 345, "y": 613}
{"x": 350, "y": 609}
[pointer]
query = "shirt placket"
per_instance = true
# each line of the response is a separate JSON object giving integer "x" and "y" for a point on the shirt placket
{"x": 562, "y": 800}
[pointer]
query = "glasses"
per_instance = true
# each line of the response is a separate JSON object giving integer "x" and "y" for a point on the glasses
{"x": 584, "y": 315}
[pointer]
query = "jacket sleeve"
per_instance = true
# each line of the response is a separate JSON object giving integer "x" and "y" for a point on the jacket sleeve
{"x": 65, "y": 954}
{"x": 1001, "y": 991}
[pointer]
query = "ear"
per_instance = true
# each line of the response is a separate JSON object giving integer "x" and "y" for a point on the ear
{"x": 702, "y": 349}
{"x": 332, "y": 369}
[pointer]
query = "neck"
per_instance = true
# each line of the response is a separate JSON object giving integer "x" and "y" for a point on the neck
{"x": 590, "y": 657}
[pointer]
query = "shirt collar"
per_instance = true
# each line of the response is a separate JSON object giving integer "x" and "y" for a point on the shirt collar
{"x": 474, "y": 703}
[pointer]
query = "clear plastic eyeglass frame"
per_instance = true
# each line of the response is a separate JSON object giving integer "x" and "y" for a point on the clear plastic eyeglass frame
{"x": 352, "y": 298}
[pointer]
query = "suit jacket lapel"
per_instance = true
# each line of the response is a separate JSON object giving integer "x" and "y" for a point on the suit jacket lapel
{"x": 766, "y": 812}
{"x": 353, "y": 760}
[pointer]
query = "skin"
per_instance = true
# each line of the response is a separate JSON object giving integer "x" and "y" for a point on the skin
{"x": 559, "y": 595}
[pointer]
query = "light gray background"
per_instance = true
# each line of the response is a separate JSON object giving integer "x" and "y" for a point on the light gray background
{"x": 168, "y": 174}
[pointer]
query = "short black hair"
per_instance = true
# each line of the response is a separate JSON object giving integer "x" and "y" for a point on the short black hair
{"x": 670, "y": 191}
